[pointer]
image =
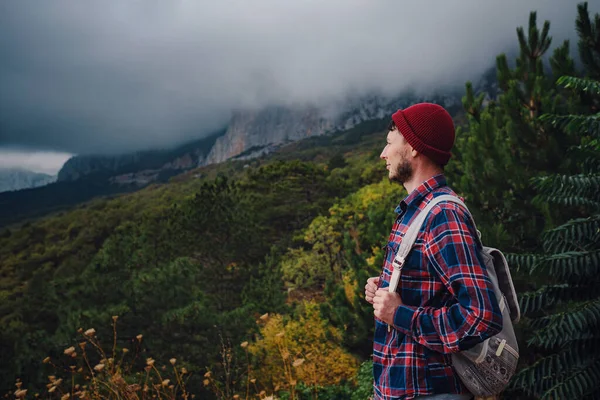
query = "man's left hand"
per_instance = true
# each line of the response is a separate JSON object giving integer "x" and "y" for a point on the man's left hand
{"x": 385, "y": 305}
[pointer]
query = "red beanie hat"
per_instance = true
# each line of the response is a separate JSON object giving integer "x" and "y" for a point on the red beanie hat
{"x": 428, "y": 128}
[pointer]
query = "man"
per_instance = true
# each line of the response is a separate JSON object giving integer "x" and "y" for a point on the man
{"x": 444, "y": 302}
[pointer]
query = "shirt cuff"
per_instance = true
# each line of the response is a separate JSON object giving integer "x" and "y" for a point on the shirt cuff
{"x": 403, "y": 318}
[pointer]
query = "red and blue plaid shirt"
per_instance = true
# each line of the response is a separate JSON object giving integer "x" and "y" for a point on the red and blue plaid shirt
{"x": 448, "y": 301}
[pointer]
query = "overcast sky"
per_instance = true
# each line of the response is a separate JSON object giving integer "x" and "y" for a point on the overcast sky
{"x": 112, "y": 76}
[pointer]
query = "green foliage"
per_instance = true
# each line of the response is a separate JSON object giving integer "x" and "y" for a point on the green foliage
{"x": 565, "y": 314}
{"x": 505, "y": 144}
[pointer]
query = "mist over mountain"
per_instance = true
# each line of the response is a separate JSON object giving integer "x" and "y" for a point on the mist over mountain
{"x": 115, "y": 77}
{"x": 17, "y": 179}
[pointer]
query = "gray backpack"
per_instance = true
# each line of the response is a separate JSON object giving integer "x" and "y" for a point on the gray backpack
{"x": 486, "y": 368}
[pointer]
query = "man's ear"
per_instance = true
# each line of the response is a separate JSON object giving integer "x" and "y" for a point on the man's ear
{"x": 414, "y": 153}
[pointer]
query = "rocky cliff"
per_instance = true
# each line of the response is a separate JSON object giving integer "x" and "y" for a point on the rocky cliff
{"x": 257, "y": 132}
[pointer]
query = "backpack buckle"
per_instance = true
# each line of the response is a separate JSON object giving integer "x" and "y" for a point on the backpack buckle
{"x": 398, "y": 262}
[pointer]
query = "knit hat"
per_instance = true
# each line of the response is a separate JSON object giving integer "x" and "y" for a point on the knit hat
{"x": 428, "y": 128}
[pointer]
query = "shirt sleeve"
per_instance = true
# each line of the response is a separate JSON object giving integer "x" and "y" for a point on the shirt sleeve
{"x": 453, "y": 252}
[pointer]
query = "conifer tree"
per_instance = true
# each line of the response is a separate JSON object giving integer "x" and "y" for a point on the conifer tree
{"x": 504, "y": 143}
{"x": 565, "y": 313}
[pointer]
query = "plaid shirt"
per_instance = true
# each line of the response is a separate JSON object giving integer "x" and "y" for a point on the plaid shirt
{"x": 448, "y": 301}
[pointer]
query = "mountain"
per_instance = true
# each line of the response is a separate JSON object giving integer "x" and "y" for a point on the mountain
{"x": 140, "y": 167}
{"x": 252, "y": 133}
{"x": 17, "y": 179}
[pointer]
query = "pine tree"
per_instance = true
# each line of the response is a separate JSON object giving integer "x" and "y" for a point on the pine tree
{"x": 505, "y": 144}
{"x": 565, "y": 313}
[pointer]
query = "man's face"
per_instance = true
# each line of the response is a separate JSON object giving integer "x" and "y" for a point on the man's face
{"x": 397, "y": 157}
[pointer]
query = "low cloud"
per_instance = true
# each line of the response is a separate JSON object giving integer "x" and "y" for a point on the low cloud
{"x": 37, "y": 161}
{"x": 115, "y": 76}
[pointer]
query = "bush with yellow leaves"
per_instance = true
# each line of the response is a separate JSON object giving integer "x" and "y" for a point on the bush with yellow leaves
{"x": 306, "y": 349}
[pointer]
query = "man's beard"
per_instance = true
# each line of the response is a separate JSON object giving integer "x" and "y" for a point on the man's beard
{"x": 404, "y": 173}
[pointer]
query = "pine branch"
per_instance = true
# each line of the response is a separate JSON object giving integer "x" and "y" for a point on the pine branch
{"x": 572, "y": 266}
{"x": 526, "y": 262}
{"x": 576, "y": 234}
{"x": 564, "y": 326}
{"x": 583, "y": 185}
{"x": 551, "y": 295}
{"x": 547, "y": 372}
{"x": 580, "y": 84}
{"x": 578, "y": 384}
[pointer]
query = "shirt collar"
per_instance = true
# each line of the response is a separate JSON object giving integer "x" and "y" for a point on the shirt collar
{"x": 415, "y": 197}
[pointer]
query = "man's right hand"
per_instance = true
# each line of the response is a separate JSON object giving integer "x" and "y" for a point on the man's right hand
{"x": 371, "y": 288}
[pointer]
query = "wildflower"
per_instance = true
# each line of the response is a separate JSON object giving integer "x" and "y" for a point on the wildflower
{"x": 298, "y": 362}
{"x": 18, "y": 384}
{"x": 244, "y": 345}
{"x": 293, "y": 382}
{"x": 69, "y": 351}
{"x": 264, "y": 317}
{"x": 51, "y": 378}
{"x": 46, "y": 360}
{"x": 82, "y": 345}
{"x": 183, "y": 371}
{"x": 236, "y": 396}
{"x": 206, "y": 382}
{"x": 262, "y": 393}
{"x": 150, "y": 362}
{"x": 82, "y": 394}
{"x": 173, "y": 361}
{"x": 52, "y": 389}
{"x": 74, "y": 354}
{"x": 115, "y": 317}
{"x": 125, "y": 350}
{"x": 139, "y": 337}
{"x": 90, "y": 332}
{"x": 165, "y": 383}
{"x": 280, "y": 334}
{"x": 253, "y": 380}
{"x": 20, "y": 393}
{"x": 57, "y": 382}
{"x": 133, "y": 388}
{"x": 207, "y": 375}
{"x": 79, "y": 330}
{"x": 99, "y": 367}
{"x": 66, "y": 396}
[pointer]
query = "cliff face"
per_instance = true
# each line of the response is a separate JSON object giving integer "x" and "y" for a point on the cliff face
{"x": 257, "y": 132}
{"x": 272, "y": 126}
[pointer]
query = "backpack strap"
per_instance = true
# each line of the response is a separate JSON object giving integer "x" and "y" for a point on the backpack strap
{"x": 413, "y": 231}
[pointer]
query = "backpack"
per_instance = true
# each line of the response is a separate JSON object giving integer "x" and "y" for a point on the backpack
{"x": 486, "y": 368}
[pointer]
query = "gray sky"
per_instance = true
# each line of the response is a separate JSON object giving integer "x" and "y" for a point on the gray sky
{"x": 113, "y": 76}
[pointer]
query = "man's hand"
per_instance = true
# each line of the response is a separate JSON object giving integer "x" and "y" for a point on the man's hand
{"x": 371, "y": 288}
{"x": 385, "y": 305}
